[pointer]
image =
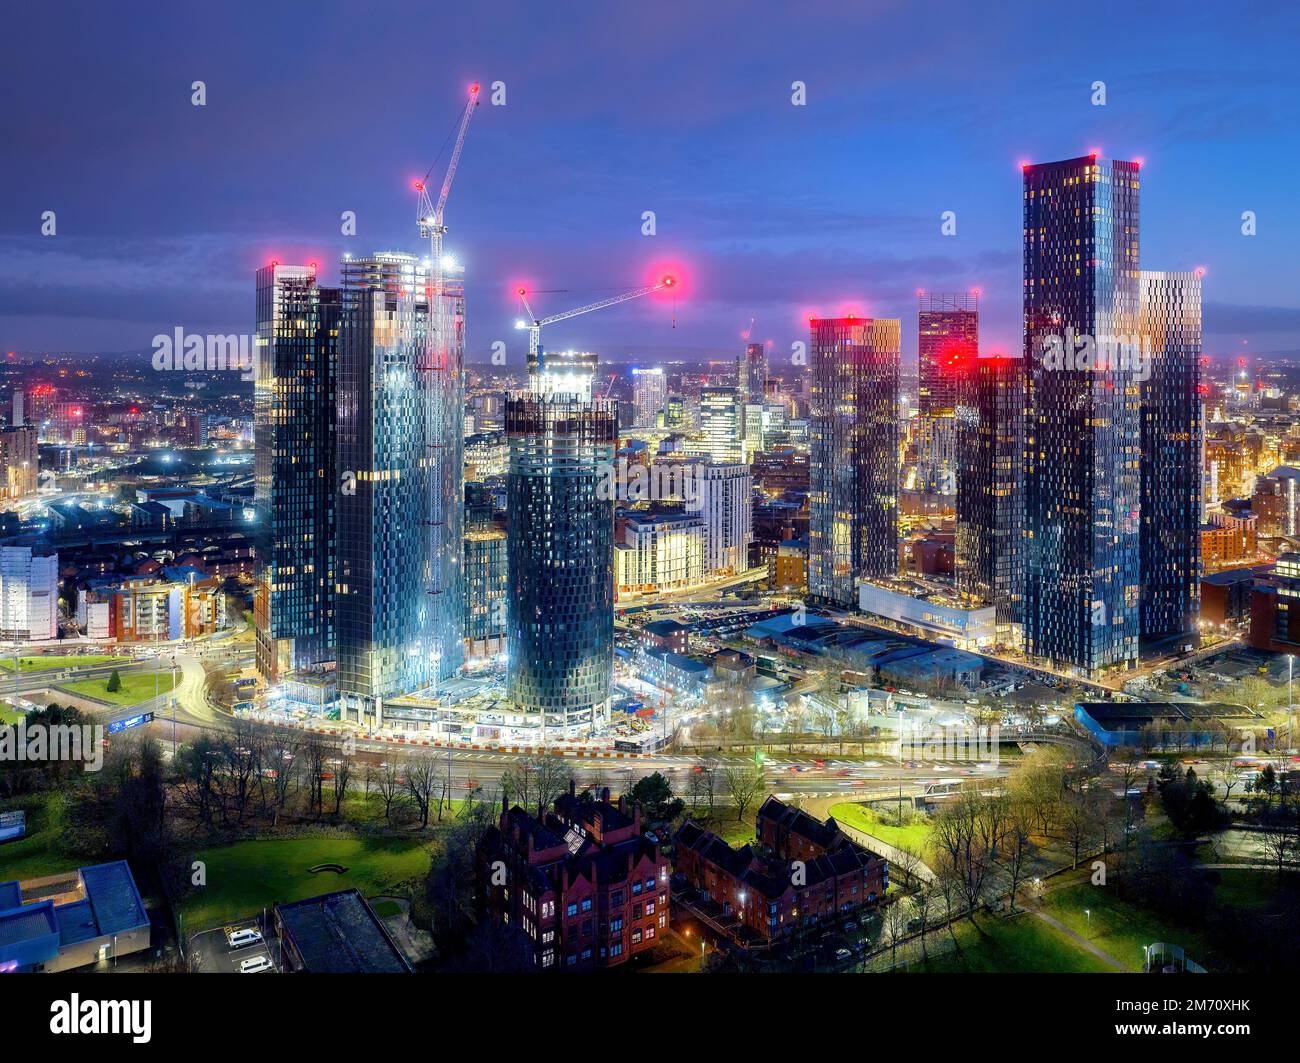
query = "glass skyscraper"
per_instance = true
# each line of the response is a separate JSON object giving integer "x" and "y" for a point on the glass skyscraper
{"x": 990, "y": 488}
{"x": 1172, "y": 439}
{"x": 560, "y": 534}
{"x": 1082, "y": 492}
{"x": 399, "y": 580}
{"x": 751, "y": 373}
{"x": 295, "y": 481}
{"x": 853, "y": 523}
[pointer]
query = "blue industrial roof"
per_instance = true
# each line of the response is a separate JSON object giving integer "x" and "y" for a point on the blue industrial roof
{"x": 112, "y": 893}
{"x": 76, "y": 923}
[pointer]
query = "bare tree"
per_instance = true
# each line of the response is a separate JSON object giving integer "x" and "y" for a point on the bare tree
{"x": 923, "y": 902}
{"x": 895, "y": 920}
{"x": 1017, "y": 847}
{"x": 699, "y": 787}
{"x": 536, "y": 781}
{"x": 390, "y": 787}
{"x": 343, "y": 766}
{"x": 744, "y": 782}
{"x": 422, "y": 781}
{"x": 967, "y": 833}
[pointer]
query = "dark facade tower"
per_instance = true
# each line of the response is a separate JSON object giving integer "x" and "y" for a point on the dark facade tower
{"x": 295, "y": 479}
{"x": 400, "y": 625}
{"x": 1082, "y": 491}
{"x": 751, "y": 373}
{"x": 853, "y": 525}
{"x": 1172, "y": 438}
{"x": 560, "y": 547}
{"x": 990, "y": 488}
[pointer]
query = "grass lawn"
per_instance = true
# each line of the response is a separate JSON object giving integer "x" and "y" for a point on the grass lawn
{"x": 136, "y": 687}
{"x": 914, "y": 837}
{"x": 726, "y": 826}
{"x": 1118, "y": 927}
{"x": 1243, "y": 888}
{"x": 38, "y": 853}
{"x": 247, "y": 876}
{"x": 8, "y": 714}
{"x": 45, "y": 664}
{"x": 1010, "y": 944}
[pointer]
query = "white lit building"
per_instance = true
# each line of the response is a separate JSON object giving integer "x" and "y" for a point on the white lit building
{"x": 722, "y": 498}
{"x": 29, "y": 595}
{"x": 657, "y": 552}
{"x": 649, "y": 391}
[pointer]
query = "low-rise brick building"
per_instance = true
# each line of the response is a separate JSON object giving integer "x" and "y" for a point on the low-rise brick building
{"x": 803, "y": 871}
{"x": 583, "y": 884}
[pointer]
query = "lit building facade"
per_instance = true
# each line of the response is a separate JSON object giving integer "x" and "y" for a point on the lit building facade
{"x": 1172, "y": 439}
{"x": 990, "y": 488}
{"x": 295, "y": 479}
{"x": 486, "y": 575}
{"x": 1082, "y": 491}
{"x": 751, "y": 373}
{"x": 720, "y": 425}
{"x": 853, "y": 521}
{"x": 19, "y": 459}
{"x": 658, "y": 551}
{"x": 560, "y": 529}
{"x": 649, "y": 392}
{"x": 399, "y": 579}
{"x": 29, "y": 595}
{"x": 723, "y": 497}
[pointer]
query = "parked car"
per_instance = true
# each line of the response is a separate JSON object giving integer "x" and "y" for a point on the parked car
{"x": 239, "y": 939}
{"x": 255, "y": 965}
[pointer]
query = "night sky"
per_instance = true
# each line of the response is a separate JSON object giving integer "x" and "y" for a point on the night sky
{"x": 766, "y": 209}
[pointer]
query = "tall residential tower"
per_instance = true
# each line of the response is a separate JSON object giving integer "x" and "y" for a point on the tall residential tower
{"x": 400, "y": 614}
{"x": 295, "y": 480}
{"x": 853, "y": 525}
{"x": 1082, "y": 491}
{"x": 560, "y": 546}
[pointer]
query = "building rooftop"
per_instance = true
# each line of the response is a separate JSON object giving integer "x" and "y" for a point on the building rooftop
{"x": 339, "y": 933}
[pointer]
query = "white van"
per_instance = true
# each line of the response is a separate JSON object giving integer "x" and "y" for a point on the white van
{"x": 242, "y": 938}
{"x": 255, "y": 965}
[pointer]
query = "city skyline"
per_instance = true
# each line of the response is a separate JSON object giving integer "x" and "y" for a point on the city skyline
{"x": 787, "y": 491}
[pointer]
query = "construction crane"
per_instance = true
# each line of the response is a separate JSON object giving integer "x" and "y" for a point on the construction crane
{"x": 437, "y": 355}
{"x": 535, "y": 356}
{"x": 428, "y": 217}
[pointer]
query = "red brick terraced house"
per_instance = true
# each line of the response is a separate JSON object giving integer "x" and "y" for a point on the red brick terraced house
{"x": 802, "y": 872}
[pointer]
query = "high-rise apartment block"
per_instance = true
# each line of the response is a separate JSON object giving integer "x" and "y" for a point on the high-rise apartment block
{"x": 1082, "y": 490}
{"x": 853, "y": 525}
{"x": 649, "y": 392}
{"x": 295, "y": 480}
{"x": 1172, "y": 439}
{"x": 560, "y": 541}
{"x": 990, "y": 488}
{"x": 399, "y": 581}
